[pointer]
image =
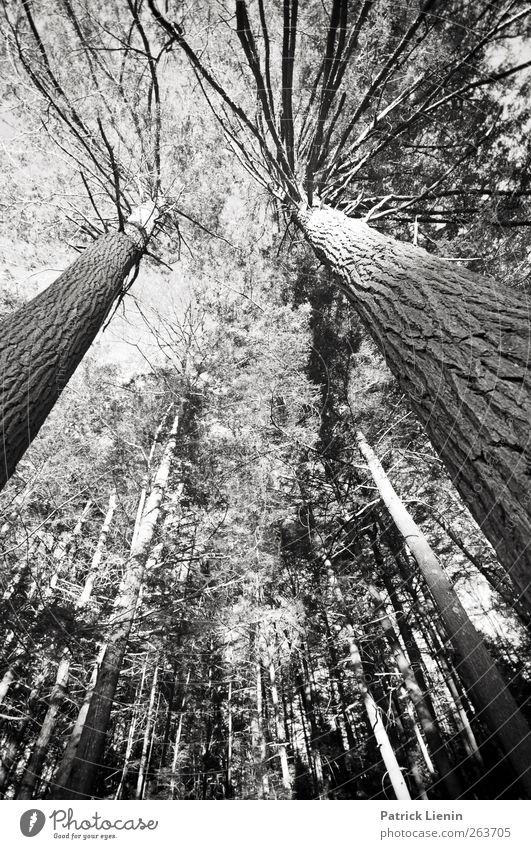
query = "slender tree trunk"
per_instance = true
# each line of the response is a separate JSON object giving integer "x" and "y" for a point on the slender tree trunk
{"x": 371, "y": 708}
{"x": 167, "y": 726}
{"x": 459, "y": 347}
{"x": 494, "y": 704}
{"x": 447, "y": 773}
{"x": 32, "y": 773}
{"x": 409, "y": 730}
{"x": 497, "y": 579}
{"x": 230, "y": 745}
{"x": 145, "y": 482}
{"x": 132, "y": 730}
{"x": 257, "y": 733}
{"x": 277, "y": 721}
{"x": 91, "y": 745}
{"x": 438, "y": 650}
{"x": 98, "y": 552}
{"x": 141, "y": 781}
{"x": 179, "y": 732}
{"x": 16, "y": 739}
{"x": 43, "y": 342}
{"x": 420, "y": 739}
{"x": 67, "y": 761}
{"x": 307, "y": 694}
{"x": 7, "y": 679}
{"x": 386, "y": 750}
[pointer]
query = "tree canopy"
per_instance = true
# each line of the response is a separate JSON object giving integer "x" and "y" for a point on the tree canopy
{"x": 264, "y": 546}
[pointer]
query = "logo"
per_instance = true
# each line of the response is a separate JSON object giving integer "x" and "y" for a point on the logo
{"x": 32, "y": 822}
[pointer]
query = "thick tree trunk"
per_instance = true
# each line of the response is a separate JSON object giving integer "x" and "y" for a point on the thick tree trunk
{"x": 43, "y": 342}
{"x": 459, "y": 347}
{"x": 492, "y": 700}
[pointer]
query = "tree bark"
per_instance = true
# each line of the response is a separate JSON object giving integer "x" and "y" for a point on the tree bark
{"x": 492, "y": 700}
{"x": 458, "y": 344}
{"x": 43, "y": 342}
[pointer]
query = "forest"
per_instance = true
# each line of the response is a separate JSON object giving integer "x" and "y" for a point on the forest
{"x": 264, "y": 400}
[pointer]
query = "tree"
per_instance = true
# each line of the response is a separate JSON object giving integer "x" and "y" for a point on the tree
{"x": 493, "y": 701}
{"x": 90, "y": 748}
{"x": 43, "y": 342}
{"x": 455, "y": 342}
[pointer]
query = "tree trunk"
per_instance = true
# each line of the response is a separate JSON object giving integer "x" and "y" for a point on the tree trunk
{"x": 384, "y": 746}
{"x": 43, "y": 342}
{"x": 32, "y": 773}
{"x": 67, "y": 761}
{"x": 230, "y": 745}
{"x": 91, "y": 744}
{"x": 280, "y": 743}
{"x": 7, "y": 679}
{"x": 143, "y": 768}
{"x": 97, "y": 557}
{"x": 491, "y": 571}
{"x": 494, "y": 704}
{"x": 16, "y": 740}
{"x": 408, "y": 732}
{"x": 258, "y": 738}
{"x": 137, "y": 708}
{"x": 176, "y": 748}
{"x": 459, "y": 347}
{"x": 437, "y": 650}
{"x": 448, "y": 774}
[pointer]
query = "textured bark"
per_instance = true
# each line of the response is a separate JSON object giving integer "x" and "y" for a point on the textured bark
{"x": 492, "y": 700}
{"x": 43, "y": 342}
{"x": 459, "y": 346}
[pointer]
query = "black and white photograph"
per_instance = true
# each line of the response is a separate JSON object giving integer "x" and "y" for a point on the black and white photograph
{"x": 265, "y": 451}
